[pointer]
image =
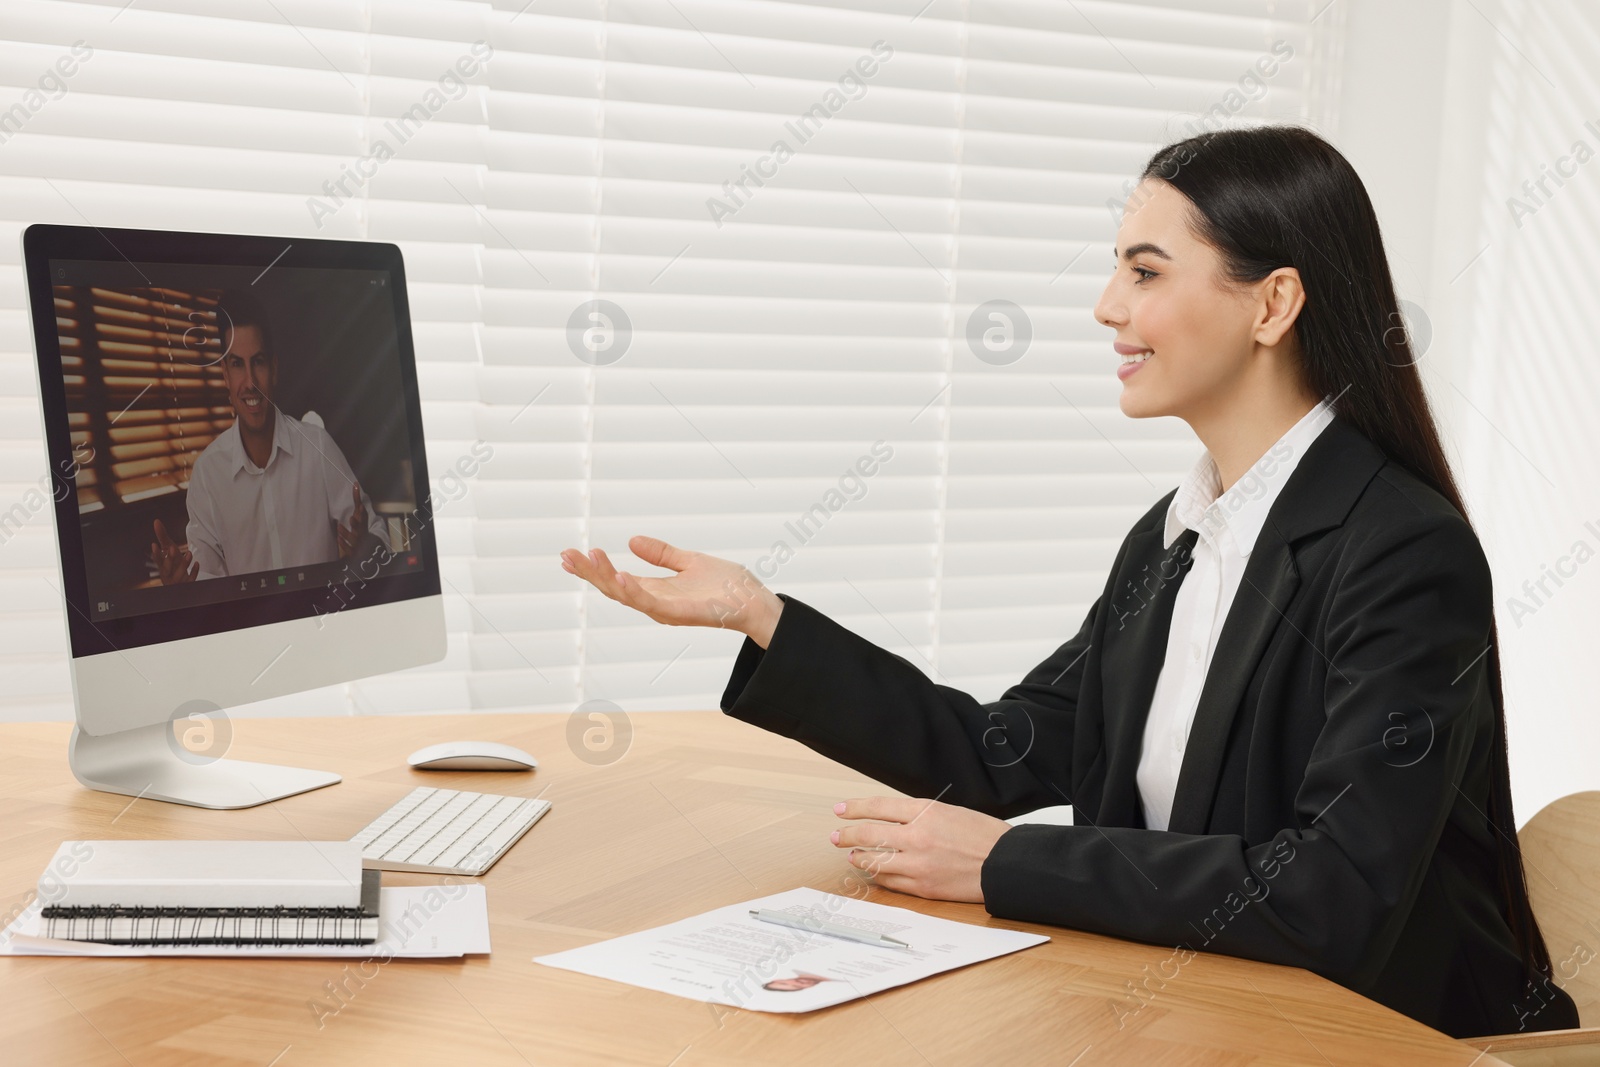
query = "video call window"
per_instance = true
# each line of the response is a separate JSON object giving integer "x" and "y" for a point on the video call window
{"x": 234, "y": 440}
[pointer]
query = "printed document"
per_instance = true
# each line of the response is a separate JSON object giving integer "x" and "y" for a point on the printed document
{"x": 728, "y": 956}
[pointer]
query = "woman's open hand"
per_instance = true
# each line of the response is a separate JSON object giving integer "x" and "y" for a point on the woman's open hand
{"x": 705, "y": 591}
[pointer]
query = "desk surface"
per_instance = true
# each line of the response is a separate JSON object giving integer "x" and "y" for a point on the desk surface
{"x": 699, "y": 811}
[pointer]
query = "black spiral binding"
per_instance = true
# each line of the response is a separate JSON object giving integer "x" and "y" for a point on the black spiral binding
{"x": 277, "y": 916}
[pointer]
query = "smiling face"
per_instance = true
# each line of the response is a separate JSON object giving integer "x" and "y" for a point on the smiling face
{"x": 252, "y": 375}
{"x": 1186, "y": 339}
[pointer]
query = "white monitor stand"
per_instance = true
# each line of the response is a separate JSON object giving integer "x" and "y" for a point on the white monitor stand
{"x": 127, "y": 702}
{"x": 139, "y": 763}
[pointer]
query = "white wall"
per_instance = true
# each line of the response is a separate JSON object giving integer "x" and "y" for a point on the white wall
{"x": 1447, "y": 109}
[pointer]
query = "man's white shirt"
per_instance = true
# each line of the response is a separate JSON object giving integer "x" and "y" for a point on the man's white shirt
{"x": 1228, "y": 528}
{"x": 245, "y": 518}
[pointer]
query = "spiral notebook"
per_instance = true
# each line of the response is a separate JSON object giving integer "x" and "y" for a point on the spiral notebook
{"x": 417, "y": 922}
{"x": 278, "y": 925}
{"x": 209, "y": 893}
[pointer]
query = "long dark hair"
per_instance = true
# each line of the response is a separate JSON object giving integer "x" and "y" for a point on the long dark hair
{"x": 1281, "y": 196}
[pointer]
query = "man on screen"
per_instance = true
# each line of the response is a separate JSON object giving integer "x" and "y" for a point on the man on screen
{"x": 270, "y": 492}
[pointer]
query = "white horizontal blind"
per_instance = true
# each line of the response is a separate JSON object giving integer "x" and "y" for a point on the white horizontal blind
{"x": 791, "y": 213}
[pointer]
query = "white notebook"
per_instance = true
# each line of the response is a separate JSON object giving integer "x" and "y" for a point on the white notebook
{"x": 204, "y": 874}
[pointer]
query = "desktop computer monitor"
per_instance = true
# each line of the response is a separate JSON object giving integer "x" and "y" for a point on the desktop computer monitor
{"x": 239, "y": 483}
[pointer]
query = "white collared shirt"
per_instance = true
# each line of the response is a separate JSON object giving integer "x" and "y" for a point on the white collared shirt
{"x": 245, "y": 518}
{"x": 1228, "y": 527}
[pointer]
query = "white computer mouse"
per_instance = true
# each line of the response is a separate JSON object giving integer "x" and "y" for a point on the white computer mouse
{"x": 471, "y": 756}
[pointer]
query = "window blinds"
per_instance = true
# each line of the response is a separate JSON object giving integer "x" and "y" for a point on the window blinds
{"x": 806, "y": 284}
{"x": 118, "y": 349}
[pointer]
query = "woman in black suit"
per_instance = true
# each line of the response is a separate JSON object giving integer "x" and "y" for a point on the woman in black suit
{"x": 1302, "y": 759}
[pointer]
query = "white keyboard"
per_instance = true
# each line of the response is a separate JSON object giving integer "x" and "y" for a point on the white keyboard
{"x": 446, "y": 831}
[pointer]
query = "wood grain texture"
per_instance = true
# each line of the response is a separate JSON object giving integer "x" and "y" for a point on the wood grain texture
{"x": 699, "y": 812}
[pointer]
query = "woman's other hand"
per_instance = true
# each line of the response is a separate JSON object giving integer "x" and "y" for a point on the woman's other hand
{"x": 705, "y": 591}
{"x": 921, "y": 847}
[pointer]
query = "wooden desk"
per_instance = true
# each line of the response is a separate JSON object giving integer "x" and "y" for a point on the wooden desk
{"x": 700, "y": 811}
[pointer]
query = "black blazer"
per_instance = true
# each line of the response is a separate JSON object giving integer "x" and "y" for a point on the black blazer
{"x": 1330, "y": 808}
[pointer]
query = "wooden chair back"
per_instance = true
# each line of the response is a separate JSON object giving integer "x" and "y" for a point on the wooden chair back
{"x": 1561, "y": 853}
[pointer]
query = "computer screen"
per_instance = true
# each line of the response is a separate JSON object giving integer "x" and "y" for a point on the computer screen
{"x": 235, "y": 439}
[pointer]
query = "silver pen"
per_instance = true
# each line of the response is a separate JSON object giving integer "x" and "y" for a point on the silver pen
{"x": 817, "y": 926}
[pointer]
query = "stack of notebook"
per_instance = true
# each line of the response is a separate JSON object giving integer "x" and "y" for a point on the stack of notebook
{"x": 210, "y": 893}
